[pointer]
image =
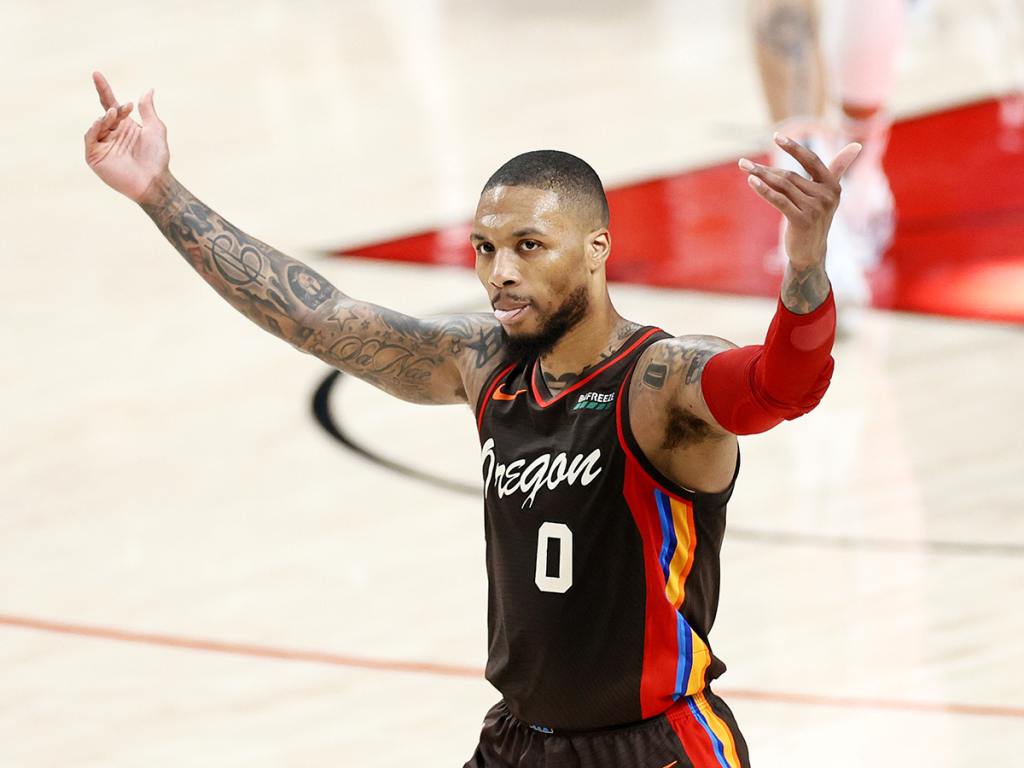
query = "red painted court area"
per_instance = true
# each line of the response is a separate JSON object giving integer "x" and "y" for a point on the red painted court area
{"x": 958, "y": 179}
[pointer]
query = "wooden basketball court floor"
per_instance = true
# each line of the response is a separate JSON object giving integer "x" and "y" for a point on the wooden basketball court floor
{"x": 193, "y": 573}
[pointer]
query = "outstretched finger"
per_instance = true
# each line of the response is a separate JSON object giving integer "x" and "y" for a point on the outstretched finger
{"x": 842, "y": 162}
{"x": 795, "y": 186}
{"x": 146, "y": 109}
{"x": 104, "y": 90}
{"x": 92, "y": 135}
{"x": 810, "y": 161}
{"x": 780, "y": 201}
{"x": 111, "y": 120}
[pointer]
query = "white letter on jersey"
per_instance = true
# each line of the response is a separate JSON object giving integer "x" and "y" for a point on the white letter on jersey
{"x": 563, "y": 580}
{"x": 488, "y": 459}
{"x": 541, "y": 473}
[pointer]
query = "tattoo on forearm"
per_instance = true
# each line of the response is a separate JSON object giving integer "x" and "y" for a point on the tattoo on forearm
{"x": 397, "y": 353}
{"x": 311, "y": 289}
{"x": 260, "y": 282}
{"x": 241, "y": 266}
{"x": 803, "y": 290}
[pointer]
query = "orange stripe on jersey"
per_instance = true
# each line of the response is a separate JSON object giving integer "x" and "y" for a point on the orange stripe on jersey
{"x": 675, "y": 658}
{"x": 701, "y": 661}
{"x": 720, "y": 729}
{"x": 682, "y": 559}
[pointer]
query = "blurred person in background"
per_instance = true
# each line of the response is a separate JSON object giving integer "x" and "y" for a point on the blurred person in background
{"x": 827, "y": 96}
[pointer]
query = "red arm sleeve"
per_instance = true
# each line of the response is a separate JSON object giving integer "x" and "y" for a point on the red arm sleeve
{"x": 751, "y": 389}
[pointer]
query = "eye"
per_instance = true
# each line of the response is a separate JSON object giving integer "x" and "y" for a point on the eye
{"x": 484, "y": 248}
{"x": 529, "y": 245}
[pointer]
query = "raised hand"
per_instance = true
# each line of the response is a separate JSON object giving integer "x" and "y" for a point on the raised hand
{"x": 807, "y": 203}
{"x": 126, "y": 155}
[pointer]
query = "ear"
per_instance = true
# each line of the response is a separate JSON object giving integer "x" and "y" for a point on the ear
{"x": 599, "y": 248}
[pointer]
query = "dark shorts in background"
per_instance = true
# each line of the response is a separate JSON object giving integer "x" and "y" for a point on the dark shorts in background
{"x": 697, "y": 732}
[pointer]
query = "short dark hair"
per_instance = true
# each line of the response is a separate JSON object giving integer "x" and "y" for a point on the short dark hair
{"x": 557, "y": 171}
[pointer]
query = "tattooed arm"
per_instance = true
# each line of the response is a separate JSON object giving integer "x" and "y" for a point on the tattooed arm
{"x": 685, "y": 408}
{"x": 808, "y": 205}
{"x": 440, "y": 360}
{"x": 424, "y": 361}
{"x": 670, "y": 419}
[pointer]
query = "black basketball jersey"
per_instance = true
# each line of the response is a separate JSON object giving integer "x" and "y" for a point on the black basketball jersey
{"x": 603, "y": 574}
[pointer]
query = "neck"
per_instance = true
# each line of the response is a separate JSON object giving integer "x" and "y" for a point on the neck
{"x": 587, "y": 344}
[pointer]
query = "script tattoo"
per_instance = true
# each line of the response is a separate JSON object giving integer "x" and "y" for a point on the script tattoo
{"x": 418, "y": 360}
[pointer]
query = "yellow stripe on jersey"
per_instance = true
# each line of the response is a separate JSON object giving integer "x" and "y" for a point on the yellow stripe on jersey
{"x": 720, "y": 729}
{"x": 682, "y": 559}
{"x": 701, "y": 656}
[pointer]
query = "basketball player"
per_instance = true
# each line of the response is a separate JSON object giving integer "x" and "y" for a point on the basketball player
{"x": 825, "y": 111}
{"x": 609, "y": 448}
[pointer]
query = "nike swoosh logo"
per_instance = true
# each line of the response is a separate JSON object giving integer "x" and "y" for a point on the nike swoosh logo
{"x": 674, "y": 762}
{"x": 499, "y": 395}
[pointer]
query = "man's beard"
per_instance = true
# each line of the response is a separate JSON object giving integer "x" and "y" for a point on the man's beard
{"x": 552, "y": 329}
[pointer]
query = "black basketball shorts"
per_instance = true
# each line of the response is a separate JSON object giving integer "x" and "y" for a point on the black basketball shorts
{"x": 696, "y": 732}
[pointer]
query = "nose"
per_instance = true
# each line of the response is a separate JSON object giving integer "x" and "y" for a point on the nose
{"x": 504, "y": 269}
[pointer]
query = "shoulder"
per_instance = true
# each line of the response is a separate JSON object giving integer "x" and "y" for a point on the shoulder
{"x": 669, "y": 418}
{"x": 666, "y": 385}
{"x": 679, "y": 360}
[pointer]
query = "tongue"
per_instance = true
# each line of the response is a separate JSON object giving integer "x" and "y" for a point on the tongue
{"x": 507, "y": 314}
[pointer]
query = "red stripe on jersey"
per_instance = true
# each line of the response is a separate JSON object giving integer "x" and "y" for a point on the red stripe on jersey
{"x": 490, "y": 392}
{"x": 696, "y": 742}
{"x": 661, "y": 638}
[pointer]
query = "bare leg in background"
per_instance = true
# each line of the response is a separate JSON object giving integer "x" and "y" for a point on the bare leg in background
{"x": 827, "y": 100}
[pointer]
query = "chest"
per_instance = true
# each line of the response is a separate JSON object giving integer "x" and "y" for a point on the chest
{"x": 540, "y": 450}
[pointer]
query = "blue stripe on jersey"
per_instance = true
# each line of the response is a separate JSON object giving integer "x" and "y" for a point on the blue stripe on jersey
{"x": 685, "y": 656}
{"x": 668, "y": 530}
{"x": 719, "y": 748}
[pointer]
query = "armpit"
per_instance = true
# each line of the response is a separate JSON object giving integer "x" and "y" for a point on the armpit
{"x": 682, "y": 428}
